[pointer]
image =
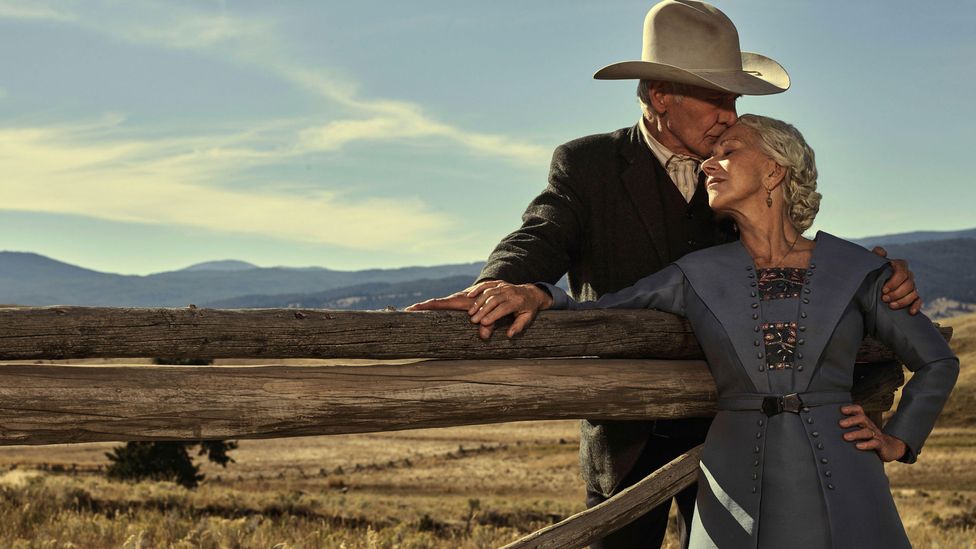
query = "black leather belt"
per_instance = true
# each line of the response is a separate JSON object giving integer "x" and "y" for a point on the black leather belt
{"x": 777, "y": 404}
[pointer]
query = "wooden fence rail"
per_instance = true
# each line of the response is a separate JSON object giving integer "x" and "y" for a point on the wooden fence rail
{"x": 47, "y": 404}
{"x": 31, "y": 333}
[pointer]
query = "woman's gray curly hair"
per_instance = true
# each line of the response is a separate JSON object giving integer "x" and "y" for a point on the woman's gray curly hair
{"x": 786, "y": 146}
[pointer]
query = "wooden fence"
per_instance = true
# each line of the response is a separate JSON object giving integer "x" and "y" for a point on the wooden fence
{"x": 596, "y": 364}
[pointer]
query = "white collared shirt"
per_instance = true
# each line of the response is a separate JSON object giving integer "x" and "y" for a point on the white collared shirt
{"x": 682, "y": 169}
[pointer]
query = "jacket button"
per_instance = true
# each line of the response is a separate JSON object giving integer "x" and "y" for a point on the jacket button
{"x": 755, "y": 316}
{"x": 802, "y": 328}
{"x": 755, "y": 305}
{"x": 815, "y": 433}
{"x": 759, "y": 423}
{"x": 799, "y": 355}
{"x": 830, "y": 486}
{"x": 827, "y": 473}
{"x": 801, "y": 341}
{"x": 753, "y": 489}
{"x": 749, "y": 268}
{"x": 755, "y": 463}
{"x": 803, "y": 314}
{"x": 809, "y": 420}
{"x": 825, "y": 461}
{"x": 806, "y": 301}
{"x": 820, "y": 446}
{"x": 799, "y": 367}
{"x": 755, "y": 450}
{"x": 755, "y": 476}
{"x": 756, "y": 343}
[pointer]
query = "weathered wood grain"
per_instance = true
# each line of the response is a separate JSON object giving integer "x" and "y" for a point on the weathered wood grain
{"x": 587, "y": 526}
{"x": 31, "y": 333}
{"x": 47, "y": 404}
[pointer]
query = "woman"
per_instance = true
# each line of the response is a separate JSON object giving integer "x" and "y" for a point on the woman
{"x": 789, "y": 460}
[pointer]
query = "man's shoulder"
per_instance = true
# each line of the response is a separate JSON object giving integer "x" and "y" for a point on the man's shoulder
{"x": 599, "y": 143}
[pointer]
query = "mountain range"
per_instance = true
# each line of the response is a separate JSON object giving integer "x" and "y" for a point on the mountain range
{"x": 32, "y": 279}
{"x": 944, "y": 264}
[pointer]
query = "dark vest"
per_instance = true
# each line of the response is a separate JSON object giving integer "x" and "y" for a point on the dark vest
{"x": 690, "y": 226}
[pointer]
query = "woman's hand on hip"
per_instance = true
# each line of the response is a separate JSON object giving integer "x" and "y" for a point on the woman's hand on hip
{"x": 870, "y": 436}
{"x": 494, "y": 301}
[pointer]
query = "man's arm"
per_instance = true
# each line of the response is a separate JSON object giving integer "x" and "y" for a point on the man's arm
{"x": 542, "y": 249}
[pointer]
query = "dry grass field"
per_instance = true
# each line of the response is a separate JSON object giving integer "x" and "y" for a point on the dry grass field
{"x": 462, "y": 487}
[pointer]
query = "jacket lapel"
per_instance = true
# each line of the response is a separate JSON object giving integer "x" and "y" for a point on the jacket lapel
{"x": 837, "y": 269}
{"x": 639, "y": 174}
{"x": 725, "y": 280}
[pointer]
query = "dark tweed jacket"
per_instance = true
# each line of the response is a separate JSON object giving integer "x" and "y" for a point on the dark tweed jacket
{"x": 601, "y": 220}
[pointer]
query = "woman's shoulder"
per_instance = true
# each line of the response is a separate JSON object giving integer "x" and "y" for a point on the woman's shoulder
{"x": 723, "y": 255}
{"x": 841, "y": 256}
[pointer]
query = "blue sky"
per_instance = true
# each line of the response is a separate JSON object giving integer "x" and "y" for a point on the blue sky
{"x": 138, "y": 137}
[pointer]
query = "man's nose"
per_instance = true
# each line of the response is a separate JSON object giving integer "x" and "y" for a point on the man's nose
{"x": 728, "y": 115}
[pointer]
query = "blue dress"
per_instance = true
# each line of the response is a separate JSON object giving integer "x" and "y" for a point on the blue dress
{"x": 776, "y": 471}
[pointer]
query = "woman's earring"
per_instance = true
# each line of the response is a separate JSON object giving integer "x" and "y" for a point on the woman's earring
{"x": 769, "y": 198}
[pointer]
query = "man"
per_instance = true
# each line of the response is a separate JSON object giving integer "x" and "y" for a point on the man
{"x": 622, "y": 205}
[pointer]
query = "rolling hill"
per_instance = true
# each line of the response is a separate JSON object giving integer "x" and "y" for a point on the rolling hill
{"x": 944, "y": 265}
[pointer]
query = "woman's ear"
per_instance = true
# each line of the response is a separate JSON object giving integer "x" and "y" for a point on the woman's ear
{"x": 776, "y": 174}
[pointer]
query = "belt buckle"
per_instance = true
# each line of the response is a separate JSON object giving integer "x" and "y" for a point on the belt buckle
{"x": 773, "y": 405}
{"x": 792, "y": 403}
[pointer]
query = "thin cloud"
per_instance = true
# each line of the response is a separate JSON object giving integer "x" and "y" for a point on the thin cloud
{"x": 257, "y": 43}
{"x": 31, "y": 10}
{"x": 57, "y": 169}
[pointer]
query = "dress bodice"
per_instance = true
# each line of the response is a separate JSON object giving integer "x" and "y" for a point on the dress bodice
{"x": 779, "y": 290}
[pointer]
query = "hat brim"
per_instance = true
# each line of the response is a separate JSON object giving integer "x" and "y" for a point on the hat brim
{"x": 760, "y": 75}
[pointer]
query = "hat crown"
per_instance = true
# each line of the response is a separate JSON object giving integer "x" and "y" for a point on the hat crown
{"x": 691, "y": 35}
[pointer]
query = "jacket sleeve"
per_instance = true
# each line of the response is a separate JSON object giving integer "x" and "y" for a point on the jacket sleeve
{"x": 923, "y": 350}
{"x": 663, "y": 290}
{"x": 549, "y": 238}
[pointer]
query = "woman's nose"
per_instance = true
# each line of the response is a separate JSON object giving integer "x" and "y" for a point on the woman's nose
{"x": 709, "y": 165}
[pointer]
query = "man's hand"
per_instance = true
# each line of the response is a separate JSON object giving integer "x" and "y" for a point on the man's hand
{"x": 495, "y": 301}
{"x": 899, "y": 291}
{"x": 889, "y": 448}
{"x": 458, "y": 301}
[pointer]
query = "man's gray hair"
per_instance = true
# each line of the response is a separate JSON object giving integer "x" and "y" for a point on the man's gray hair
{"x": 644, "y": 95}
{"x": 785, "y": 145}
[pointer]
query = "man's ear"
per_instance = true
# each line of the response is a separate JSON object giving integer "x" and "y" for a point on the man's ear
{"x": 660, "y": 99}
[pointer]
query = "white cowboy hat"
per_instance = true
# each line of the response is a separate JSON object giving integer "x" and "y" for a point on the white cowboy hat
{"x": 695, "y": 43}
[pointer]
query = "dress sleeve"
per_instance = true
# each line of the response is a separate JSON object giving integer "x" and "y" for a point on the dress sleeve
{"x": 544, "y": 246}
{"x": 663, "y": 290}
{"x": 923, "y": 350}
